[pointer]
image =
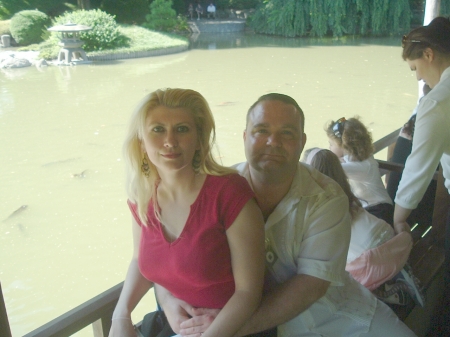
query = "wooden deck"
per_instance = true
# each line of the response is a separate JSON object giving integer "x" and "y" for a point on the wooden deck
{"x": 426, "y": 259}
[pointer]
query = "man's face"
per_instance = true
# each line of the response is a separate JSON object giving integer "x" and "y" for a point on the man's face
{"x": 274, "y": 138}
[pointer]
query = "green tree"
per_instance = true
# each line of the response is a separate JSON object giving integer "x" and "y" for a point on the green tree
{"x": 50, "y": 7}
{"x": 126, "y": 11}
{"x": 162, "y": 16}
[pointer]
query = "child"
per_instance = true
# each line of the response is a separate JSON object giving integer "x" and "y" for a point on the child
{"x": 376, "y": 258}
{"x": 351, "y": 142}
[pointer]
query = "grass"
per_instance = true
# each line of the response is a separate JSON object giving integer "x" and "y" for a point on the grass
{"x": 138, "y": 39}
{"x": 142, "y": 39}
{"x": 4, "y": 27}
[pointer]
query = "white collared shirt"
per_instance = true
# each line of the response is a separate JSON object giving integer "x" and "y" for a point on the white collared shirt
{"x": 309, "y": 233}
{"x": 431, "y": 144}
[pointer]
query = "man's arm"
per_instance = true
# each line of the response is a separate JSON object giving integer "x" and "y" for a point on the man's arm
{"x": 277, "y": 307}
{"x": 285, "y": 302}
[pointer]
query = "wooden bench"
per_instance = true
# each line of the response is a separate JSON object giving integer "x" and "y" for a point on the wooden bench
{"x": 427, "y": 255}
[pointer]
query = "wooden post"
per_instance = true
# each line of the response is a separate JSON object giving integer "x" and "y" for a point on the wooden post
{"x": 432, "y": 8}
{"x": 4, "y": 323}
{"x": 102, "y": 326}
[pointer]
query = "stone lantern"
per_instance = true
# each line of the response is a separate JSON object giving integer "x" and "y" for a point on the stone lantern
{"x": 71, "y": 51}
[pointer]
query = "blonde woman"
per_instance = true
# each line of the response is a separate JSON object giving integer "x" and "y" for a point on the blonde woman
{"x": 197, "y": 229}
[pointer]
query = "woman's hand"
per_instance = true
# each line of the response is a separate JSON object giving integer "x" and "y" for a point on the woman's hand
{"x": 122, "y": 327}
{"x": 200, "y": 321}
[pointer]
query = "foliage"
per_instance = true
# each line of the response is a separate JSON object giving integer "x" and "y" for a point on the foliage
{"x": 126, "y": 11}
{"x": 445, "y": 8}
{"x": 28, "y": 26}
{"x": 104, "y": 33}
{"x": 163, "y": 17}
{"x": 332, "y": 17}
{"x": 50, "y": 7}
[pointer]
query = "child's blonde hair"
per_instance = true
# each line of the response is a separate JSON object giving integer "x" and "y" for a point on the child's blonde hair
{"x": 352, "y": 136}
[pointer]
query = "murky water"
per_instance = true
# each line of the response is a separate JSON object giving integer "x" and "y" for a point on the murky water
{"x": 61, "y": 132}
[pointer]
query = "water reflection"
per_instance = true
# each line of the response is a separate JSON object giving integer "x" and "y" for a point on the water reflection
{"x": 61, "y": 130}
{"x": 250, "y": 40}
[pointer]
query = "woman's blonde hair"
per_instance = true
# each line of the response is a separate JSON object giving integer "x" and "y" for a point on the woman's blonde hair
{"x": 354, "y": 138}
{"x": 326, "y": 162}
{"x": 141, "y": 187}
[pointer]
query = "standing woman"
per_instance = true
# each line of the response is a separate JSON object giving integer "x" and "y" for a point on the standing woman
{"x": 197, "y": 229}
{"x": 427, "y": 51}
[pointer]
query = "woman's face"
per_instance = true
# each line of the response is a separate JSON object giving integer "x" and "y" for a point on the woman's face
{"x": 170, "y": 138}
{"x": 426, "y": 68}
{"x": 336, "y": 148}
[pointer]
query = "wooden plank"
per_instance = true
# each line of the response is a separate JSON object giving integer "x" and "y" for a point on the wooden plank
{"x": 386, "y": 141}
{"x": 5, "y": 330}
{"x": 99, "y": 307}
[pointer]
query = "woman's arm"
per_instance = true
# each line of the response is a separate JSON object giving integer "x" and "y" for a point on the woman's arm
{"x": 134, "y": 289}
{"x": 246, "y": 242}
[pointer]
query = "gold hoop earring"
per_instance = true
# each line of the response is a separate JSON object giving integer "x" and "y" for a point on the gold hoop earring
{"x": 145, "y": 167}
{"x": 196, "y": 161}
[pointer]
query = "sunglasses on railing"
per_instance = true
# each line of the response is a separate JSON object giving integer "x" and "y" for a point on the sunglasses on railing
{"x": 338, "y": 127}
{"x": 405, "y": 40}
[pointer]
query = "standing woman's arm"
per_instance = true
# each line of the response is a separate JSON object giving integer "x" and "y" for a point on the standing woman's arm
{"x": 246, "y": 241}
{"x": 431, "y": 136}
{"x": 134, "y": 288}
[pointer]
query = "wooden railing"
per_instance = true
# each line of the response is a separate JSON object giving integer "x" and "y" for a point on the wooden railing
{"x": 97, "y": 311}
{"x": 426, "y": 259}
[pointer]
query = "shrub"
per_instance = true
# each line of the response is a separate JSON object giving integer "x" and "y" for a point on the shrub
{"x": 28, "y": 26}
{"x": 162, "y": 16}
{"x": 104, "y": 33}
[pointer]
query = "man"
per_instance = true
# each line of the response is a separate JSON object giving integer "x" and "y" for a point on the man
{"x": 307, "y": 235}
{"x": 199, "y": 10}
{"x": 211, "y": 9}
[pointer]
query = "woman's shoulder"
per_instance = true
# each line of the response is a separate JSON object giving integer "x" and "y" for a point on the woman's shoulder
{"x": 231, "y": 178}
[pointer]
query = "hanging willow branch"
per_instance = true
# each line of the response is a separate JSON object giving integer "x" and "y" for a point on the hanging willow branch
{"x": 332, "y": 17}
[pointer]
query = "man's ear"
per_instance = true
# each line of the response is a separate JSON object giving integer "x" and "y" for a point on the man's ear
{"x": 303, "y": 141}
{"x": 244, "y": 135}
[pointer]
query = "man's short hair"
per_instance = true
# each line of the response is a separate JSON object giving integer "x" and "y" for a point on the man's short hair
{"x": 282, "y": 98}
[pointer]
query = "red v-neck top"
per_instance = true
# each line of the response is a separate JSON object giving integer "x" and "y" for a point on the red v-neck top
{"x": 196, "y": 267}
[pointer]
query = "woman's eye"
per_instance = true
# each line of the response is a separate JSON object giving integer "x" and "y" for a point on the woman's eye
{"x": 182, "y": 128}
{"x": 158, "y": 129}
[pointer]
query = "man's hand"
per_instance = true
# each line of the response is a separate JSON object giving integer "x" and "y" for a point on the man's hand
{"x": 177, "y": 312}
{"x": 200, "y": 321}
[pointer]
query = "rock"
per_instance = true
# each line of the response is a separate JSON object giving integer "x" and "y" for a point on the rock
{"x": 41, "y": 63}
{"x": 12, "y": 62}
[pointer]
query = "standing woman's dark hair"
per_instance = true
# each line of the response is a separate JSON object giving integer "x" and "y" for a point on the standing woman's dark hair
{"x": 435, "y": 36}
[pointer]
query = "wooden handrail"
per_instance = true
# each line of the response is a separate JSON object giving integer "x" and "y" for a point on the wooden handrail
{"x": 97, "y": 311}
{"x": 384, "y": 142}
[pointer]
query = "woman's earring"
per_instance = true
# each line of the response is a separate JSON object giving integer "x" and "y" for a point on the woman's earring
{"x": 145, "y": 167}
{"x": 196, "y": 161}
